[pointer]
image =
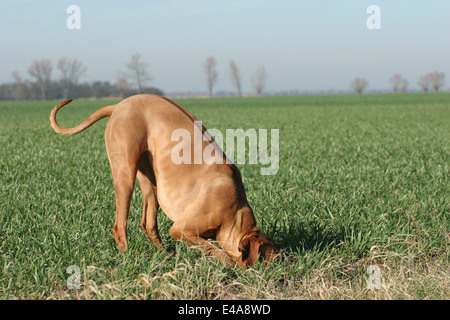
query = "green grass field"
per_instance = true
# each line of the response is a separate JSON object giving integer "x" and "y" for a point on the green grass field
{"x": 363, "y": 180}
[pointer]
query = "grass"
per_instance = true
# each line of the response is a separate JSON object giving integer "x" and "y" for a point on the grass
{"x": 363, "y": 180}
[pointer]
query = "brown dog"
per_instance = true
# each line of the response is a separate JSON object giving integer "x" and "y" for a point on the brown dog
{"x": 205, "y": 201}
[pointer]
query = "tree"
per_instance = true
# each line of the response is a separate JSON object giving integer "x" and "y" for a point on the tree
{"x": 259, "y": 80}
{"x": 101, "y": 89}
{"x": 19, "y": 87}
{"x": 424, "y": 83}
{"x": 121, "y": 84}
{"x": 403, "y": 85}
{"x": 138, "y": 71}
{"x": 41, "y": 70}
{"x": 396, "y": 81}
{"x": 436, "y": 80}
{"x": 359, "y": 85}
{"x": 71, "y": 71}
{"x": 235, "y": 77}
{"x": 211, "y": 74}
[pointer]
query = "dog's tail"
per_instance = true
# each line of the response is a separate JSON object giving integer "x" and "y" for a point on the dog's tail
{"x": 93, "y": 118}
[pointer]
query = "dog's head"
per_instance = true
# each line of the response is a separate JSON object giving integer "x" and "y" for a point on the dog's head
{"x": 255, "y": 246}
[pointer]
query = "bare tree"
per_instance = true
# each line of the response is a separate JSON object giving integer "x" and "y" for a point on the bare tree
{"x": 259, "y": 80}
{"x": 138, "y": 71}
{"x": 19, "y": 87}
{"x": 41, "y": 70}
{"x": 424, "y": 83}
{"x": 436, "y": 80}
{"x": 121, "y": 84}
{"x": 236, "y": 77}
{"x": 359, "y": 85}
{"x": 396, "y": 81}
{"x": 211, "y": 73}
{"x": 71, "y": 71}
{"x": 403, "y": 85}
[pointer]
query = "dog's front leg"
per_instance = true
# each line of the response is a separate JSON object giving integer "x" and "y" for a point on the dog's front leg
{"x": 180, "y": 232}
{"x": 150, "y": 208}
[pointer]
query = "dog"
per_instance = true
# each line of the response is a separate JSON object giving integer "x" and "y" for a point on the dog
{"x": 205, "y": 201}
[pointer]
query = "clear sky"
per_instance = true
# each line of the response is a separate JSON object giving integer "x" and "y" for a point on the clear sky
{"x": 303, "y": 44}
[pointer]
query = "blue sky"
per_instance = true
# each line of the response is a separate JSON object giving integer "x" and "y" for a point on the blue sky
{"x": 304, "y": 45}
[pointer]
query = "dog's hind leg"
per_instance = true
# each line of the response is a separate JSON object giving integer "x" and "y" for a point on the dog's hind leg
{"x": 147, "y": 183}
{"x": 124, "y": 179}
{"x": 124, "y": 168}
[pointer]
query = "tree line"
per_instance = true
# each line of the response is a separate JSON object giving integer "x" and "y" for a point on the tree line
{"x": 67, "y": 84}
{"x": 258, "y": 80}
{"x": 136, "y": 77}
{"x": 133, "y": 80}
{"x": 432, "y": 81}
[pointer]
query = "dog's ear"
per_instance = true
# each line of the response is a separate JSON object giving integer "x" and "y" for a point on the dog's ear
{"x": 266, "y": 249}
{"x": 249, "y": 247}
{"x": 256, "y": 246}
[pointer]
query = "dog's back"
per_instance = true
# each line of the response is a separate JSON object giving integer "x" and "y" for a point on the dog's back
{"x": 182, "y": 187}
